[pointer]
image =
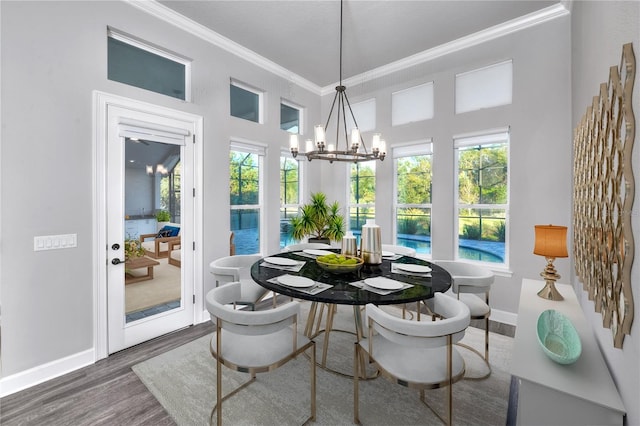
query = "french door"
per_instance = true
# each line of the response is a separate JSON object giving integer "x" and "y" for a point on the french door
{"x": 147, "y": 288}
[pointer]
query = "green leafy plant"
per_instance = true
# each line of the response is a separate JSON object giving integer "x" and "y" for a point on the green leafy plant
{"x": 318, "y": 220}
{"x": 133, "y": 248}
{"x": 163, "y": 216}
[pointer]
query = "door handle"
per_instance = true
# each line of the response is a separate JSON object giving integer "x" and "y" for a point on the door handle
{"x": 116, "y": 261}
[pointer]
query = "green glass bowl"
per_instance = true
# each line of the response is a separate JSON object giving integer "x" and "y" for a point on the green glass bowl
{"x": 339, "y": 268}
{"x": 558, "y": 337}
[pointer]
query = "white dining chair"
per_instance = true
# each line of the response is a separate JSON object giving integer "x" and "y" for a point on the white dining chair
{"x": 238, "y": 268}
{"x": 469, "y": 283}
{"x": 255, "y": 342}
{"x": 415, "y": 354}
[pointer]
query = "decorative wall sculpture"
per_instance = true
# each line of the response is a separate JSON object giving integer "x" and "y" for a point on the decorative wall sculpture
{"x": 604, "y": 189}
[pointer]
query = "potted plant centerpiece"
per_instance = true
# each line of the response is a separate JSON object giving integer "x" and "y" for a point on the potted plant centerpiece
{"x": 320, "y": 221}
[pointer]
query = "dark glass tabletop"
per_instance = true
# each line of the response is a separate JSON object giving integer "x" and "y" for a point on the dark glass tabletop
{"x": 344, "y": 293}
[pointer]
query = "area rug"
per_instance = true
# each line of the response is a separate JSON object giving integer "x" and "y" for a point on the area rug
{"x": 163, "y": 288}
{"x": 183, "y": 381}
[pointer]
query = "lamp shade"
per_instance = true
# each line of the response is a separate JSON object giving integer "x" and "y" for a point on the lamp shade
{"x": 551, "y": 241}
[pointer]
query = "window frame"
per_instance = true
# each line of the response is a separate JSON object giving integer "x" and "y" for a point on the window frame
{"x": 489, "y": 137}
{"x": 260, "y": 151}
{"x": 300, "y": 110}
{"x": 412, "y": 149}
{"x": 301, "y": 195}
{"x": 350, "y": 205}
{"x": 247, "y": 87}
{"x": 135, "y": 42}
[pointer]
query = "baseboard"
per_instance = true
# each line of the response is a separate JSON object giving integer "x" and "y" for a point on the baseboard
{"x": 504, "y": 317}
{"x": 42, "y": 373}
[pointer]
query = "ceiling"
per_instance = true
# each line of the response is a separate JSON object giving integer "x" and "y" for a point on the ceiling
{"x": 303, "y": 36}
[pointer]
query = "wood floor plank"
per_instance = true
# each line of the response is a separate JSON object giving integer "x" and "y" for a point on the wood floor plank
{"x": 105, "y": 393}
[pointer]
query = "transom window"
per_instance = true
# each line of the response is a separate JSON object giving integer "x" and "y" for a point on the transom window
{"x": 412, "y": 210}
{"x": 483, "y": 197}
{"x": 246, "y": 102}
{"x": 142, "y": 65}
{"x": 245, "y": 177}
{"x": 290, "y": 117}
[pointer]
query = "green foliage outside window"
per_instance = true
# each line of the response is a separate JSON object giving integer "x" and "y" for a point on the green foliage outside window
{"x": 244, "y": 176}
{"x": 414, "y": 179}
{"x": 482, "y": 181}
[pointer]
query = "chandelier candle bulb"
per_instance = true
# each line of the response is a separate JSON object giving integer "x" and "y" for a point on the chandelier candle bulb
{"x": 293, "y": 142}
{"x": 375, "y": 142}
{"x": 319, "y": 134}
{"x": 309, "y": 145}
{"x": 355, "y": 139}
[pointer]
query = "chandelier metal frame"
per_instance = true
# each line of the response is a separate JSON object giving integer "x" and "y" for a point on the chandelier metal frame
{"x": 353, "y": 152}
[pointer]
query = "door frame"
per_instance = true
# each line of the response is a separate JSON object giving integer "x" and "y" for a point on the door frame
{"x": 101, "y": 103}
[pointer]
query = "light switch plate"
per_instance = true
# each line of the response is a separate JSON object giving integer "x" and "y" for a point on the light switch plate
{"x": 55, "y": 242}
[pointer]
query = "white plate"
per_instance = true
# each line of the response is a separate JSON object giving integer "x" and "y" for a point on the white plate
{"x": 388, "y": 253}
{"x": 295, "y": 281}
{"x": 282, "y": 261}
{"x": 317, "y": 252}
{"x": 411, "y": 267}
{"x": 383, "y": 283}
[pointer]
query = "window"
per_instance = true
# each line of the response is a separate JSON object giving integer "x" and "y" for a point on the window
{"x": 289, "y": 196}
{"x": 362, "y": 197}
{"x": 290, "y": 117}
{"x": 484, "y": 88}
{"x": 132, "y": 62}
{"x": 245, "y": 102}
{"x": 412, "y": 104}
{"x": 365, "y": 113}
{"x": 483, "y": 196}
{"x": 245, "y": 175}
{"x": 412, "y": 210}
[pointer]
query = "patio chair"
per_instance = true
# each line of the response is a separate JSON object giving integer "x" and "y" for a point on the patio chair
{"x": 415, "y": 354}
{"x": 469, "y": 283}
{"x": 254, "y": 342}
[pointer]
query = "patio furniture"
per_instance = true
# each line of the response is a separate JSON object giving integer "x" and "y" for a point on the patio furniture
{"x": 175, "y": 253}
{"x": 157, "y": 245}
{"x": 414, "y": 354}
{"x": 255, "y": 341}
{"x": 139, "y": 263}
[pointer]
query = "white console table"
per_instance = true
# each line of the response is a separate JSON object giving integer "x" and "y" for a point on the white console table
{"x": 553, "y": 394}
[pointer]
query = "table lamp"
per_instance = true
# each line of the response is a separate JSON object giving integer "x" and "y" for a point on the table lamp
{"x": 551, "y": 242}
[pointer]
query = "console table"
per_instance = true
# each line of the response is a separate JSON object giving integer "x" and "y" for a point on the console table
{"x": 554, "y": 394}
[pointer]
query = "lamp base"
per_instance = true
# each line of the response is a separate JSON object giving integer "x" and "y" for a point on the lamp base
{"x": 550, "y": 292}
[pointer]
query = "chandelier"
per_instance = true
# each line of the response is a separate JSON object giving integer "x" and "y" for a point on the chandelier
{"x": 355, "y": 149}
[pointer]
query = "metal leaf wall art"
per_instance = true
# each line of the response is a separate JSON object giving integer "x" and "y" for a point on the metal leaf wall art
{"x": 604, "y": 189}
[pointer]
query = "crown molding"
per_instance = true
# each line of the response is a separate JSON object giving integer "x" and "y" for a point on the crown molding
{"x": 492, "y": 33}
{"x": 152, "y": 7}
{"x": 162, "y": 12}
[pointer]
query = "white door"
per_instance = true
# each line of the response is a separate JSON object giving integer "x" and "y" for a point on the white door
{"x": 150, "y": 165}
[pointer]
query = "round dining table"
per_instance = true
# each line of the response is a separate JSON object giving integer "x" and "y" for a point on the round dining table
{"x": 419, "y": 282}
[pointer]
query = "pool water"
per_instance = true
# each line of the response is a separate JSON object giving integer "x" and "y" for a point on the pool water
{"x": 482, "y": 251}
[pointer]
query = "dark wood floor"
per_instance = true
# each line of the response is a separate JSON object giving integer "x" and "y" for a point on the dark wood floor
{"x": 106, "y": 393}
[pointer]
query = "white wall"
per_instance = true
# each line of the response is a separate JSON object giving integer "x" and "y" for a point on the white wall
{"x": 540, "y": 148}
{"x": 599, "y": 29}
{"x": 54, "y": 54}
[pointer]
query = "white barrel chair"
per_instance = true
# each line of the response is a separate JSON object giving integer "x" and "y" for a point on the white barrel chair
{"x": 238, "y": 268}
{"x": 471, "y": 285}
